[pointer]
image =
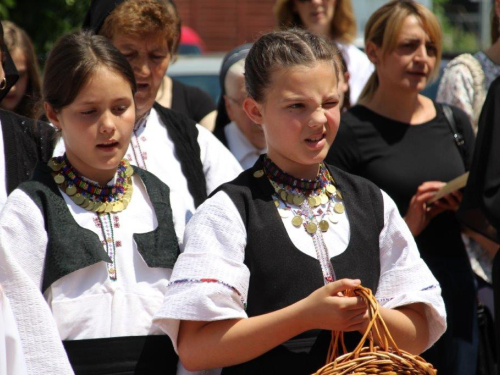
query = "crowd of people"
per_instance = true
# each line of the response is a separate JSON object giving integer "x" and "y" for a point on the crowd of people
{"x": 145, "y": 230}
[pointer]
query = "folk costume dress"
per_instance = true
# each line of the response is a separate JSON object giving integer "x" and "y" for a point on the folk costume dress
{"x": 85, "y": 269}
{"x": 267, "y": 240}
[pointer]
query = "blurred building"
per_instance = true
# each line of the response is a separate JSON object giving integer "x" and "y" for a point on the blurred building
{"x": 224, "y": 24}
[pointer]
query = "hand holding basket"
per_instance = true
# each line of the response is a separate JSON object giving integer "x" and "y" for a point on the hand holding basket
{"x": 384, "y": 359}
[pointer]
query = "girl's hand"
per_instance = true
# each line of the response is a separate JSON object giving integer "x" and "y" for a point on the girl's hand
{"x": 326, "y": 308}
{"x": 420, "y": 213}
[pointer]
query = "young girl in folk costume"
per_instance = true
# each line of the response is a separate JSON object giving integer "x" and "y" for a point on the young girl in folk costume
{"x": 92, "y": 233}
{"x": 184, "y": 155}
{"x": 402, "y": 141}
{"x": 248, "y": 293}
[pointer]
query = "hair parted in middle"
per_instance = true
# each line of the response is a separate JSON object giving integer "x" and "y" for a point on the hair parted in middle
{"x": 383, "y": 29}
{"x": 16, "y": 38}
{"x": 343, "y": 26}
{"x": 285, "y": 49}
{"x": 142, "y": 18}
{"x": 73, "y": 61}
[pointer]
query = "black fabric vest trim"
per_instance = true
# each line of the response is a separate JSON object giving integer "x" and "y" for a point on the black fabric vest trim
{"x": 159, "y": 248}
{"x": 184, "y": 134}
{"x": 25, "y": 142}
{"x": 270, "y": 249}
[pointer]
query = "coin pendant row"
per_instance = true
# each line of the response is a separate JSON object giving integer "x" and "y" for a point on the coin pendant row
{"x": 89, "y": 204}
{"x": 313, "y": 201}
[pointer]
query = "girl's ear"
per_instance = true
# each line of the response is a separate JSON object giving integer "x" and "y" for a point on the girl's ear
{"x": 253, "y": 110}
{"x": 371, "y": 51}
{"x": 52, "y": 115}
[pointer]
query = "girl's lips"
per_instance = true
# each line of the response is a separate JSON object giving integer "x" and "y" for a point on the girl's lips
{"x": 108, "y": 145}
{"x": 316, "y": 142}
{"x": 316, "y": 138}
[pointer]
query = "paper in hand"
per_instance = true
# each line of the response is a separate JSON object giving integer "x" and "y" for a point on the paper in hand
{"x": 455, "y": 184}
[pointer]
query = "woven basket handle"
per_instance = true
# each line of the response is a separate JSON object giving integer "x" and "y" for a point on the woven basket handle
{"x": 375, "y": 331}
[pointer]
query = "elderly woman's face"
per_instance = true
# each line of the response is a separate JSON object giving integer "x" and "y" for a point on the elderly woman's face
{"x": 149, "y": 56}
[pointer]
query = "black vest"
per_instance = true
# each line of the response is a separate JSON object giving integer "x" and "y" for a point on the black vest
{"x": 25, "y": 142}
{"x": 64, "y": 255}
{"x": 281, "y": 274}
{"x": 184, "y": 134}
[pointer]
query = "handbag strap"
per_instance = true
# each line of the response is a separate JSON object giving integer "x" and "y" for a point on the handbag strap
{"x": 459, "y": 139}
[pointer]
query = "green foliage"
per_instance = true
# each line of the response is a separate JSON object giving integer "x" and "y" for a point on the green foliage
{"x": 455, "y": 38}
{"x": 45, "y": 20}
{"x": 5, "y": 5}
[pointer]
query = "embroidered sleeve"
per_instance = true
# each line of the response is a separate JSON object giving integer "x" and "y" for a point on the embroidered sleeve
{"x": 209, "y": 281}
{"x": 23, "y": 242}
{"x": 404, "y": 276}
{"x": 219, "y": 165}
{"x": 457, "y": 88}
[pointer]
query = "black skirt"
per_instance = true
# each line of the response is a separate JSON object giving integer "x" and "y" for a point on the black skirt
{"x": 133, "y": 355}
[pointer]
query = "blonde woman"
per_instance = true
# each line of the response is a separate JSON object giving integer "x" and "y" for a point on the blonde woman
{"x": 402, "y": 141}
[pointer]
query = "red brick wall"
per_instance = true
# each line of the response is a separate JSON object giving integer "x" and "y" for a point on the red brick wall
{"x": 225, "y": 24}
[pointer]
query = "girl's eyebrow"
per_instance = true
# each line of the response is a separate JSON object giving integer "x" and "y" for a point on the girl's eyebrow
{"x": 90, "y": 101}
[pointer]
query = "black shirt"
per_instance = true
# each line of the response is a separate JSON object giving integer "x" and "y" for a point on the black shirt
{"x": 399, "y": 157}
{"x": 192, "y": 101}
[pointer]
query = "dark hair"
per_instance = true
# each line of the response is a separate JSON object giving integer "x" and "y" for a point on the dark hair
{"x": 73, "y": 60}
{"x": 284, "y": 49}
{"x": 16, "y": 38}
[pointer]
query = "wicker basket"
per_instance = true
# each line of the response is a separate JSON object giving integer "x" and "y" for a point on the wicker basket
{"x": 385, "y": 359}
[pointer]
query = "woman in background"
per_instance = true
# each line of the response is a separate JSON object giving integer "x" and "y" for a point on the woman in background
{"x": 334, "y": 20}
{"x": 24, "y": 95}
{"x": 402, "y": 141}
{"x": 23, "y": 142}
{"x": 190, "y": 100}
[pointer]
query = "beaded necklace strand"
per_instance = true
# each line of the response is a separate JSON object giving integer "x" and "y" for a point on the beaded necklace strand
{"x": 109, "y": 241}
{"x": 92, "y": 196}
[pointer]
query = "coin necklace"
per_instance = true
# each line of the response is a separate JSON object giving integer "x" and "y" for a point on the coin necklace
{"x": 317, "y": 192}
{"x": 91, "y": 196}
{"x": 311, "y": 226}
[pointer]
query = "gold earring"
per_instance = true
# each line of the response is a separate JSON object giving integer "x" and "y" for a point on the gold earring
{"x": 3, "y": 84}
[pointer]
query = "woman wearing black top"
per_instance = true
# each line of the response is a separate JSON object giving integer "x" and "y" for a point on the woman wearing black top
{"x": 23, "y": 142}
{"x": 401, "y": 140}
